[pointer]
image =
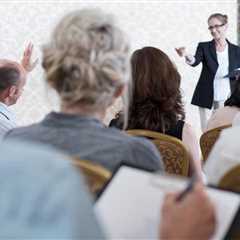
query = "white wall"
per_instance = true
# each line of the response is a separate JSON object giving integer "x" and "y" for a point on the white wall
{"x": 164, "y": 24}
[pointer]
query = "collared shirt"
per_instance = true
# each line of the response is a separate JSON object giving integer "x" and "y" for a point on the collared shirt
{"x": 89, "y": 139}
{"x": 7, "y": 119}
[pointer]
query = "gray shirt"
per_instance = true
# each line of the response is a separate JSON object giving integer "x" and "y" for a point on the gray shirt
{"x": 89, "y": 139}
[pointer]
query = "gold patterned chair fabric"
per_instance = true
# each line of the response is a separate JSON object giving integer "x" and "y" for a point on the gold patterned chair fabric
{"x": 174, "y": 154}
{"x": 96, "y": 176}
{"x": 208, "y": 139}
{"x": 231, "y": 180}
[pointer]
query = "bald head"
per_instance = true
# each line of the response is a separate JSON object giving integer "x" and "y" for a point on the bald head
{"x": 13, "y": 64}
{"x": 12, "y": 81}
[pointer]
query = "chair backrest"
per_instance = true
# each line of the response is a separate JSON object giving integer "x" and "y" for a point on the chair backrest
{"x": 95, "y": 175}
{"x": 208, "y": 139}
{"x": 174, "y": 154}
{"x": 231, "y": 180}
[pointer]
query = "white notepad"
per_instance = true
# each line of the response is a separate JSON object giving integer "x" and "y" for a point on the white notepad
{"x": 130, "y": 206}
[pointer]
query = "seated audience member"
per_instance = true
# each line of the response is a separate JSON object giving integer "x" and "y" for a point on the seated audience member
{"x": 86, "y": 62}
{"x": 224, "y": 155}
{"x": 225, "y": 116}
{"x": 43, "y": 197}
{"x": 12, "y": 81}
{"x": 157, "y": 102}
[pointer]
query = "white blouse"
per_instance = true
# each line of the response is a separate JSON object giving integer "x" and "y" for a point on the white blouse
{"x": 221, "y": 84}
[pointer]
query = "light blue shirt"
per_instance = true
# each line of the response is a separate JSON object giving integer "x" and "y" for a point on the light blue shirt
{"x": 7, "y": 119}
{"x": 43, "y": 196}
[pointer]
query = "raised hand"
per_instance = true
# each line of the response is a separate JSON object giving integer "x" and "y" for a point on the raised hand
{"x": 181, "y": 51}
{"x": 26, "y": 61}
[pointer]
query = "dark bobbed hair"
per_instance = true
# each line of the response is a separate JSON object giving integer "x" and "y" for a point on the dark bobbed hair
{"x": 156, "y": 98}
{"x": 234, "y": 99}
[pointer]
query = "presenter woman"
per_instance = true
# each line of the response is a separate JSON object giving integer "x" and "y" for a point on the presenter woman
{"x": 219, "y": 57}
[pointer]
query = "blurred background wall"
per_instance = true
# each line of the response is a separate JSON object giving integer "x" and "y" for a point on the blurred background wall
{"x": 163, "y": 24}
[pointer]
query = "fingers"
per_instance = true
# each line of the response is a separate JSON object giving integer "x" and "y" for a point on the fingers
{"x": 28, "y": 50}
{"x": 191, "y": 218}
{"x": 180, "y": 50}
{"x": 26, "y": 60}
{"x": 170, "y": 198}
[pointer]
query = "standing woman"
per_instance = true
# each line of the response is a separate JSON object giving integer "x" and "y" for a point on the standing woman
{"x": 219, "y": 57}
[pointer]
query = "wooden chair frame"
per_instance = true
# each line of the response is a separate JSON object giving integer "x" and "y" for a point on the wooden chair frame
{"x": 231, "y": 179}
{"x": 159, "y": 140}
{"x": 209, "y": 138}
{"x": 96, "y": 176}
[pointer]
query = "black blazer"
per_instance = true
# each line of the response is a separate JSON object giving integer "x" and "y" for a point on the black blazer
{"x": 206, "y": 54}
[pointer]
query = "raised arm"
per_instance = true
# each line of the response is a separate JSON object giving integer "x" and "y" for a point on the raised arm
{"x": 190, "y": 59}
{"x": 26, "y": 61}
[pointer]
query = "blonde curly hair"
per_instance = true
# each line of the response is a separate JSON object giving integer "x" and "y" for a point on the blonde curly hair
{"x": 87, "y": 59}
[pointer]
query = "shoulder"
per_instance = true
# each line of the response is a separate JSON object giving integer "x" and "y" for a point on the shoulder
{"x": 138, "y": 151}
{"x": 21, "y": 132}
{"x": 133, "y": 143}
{"x": 222, "y": 116}
{"x": 204, "y": 44}
{"x": 188, "y": 131}
{"x": 234, "y": 46}
{"x": 143, "y": 151}
{"x": 214, "y": 119}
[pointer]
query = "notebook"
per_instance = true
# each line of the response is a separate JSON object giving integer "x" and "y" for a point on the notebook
{"x": 129, "y": 207}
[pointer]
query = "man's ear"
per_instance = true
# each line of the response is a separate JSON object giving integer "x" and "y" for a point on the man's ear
{"x": 12, "y": 91}
{"x": 119, "y": 91}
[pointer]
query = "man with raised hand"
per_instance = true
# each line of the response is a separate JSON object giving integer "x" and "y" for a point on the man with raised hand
{"x": 13, "y": 77}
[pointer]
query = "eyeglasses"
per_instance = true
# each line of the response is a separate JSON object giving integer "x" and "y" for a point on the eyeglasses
{"x": 215, "y": 26}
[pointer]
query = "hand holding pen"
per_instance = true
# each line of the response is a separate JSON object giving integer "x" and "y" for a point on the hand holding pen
{"x": 188, "y": 214}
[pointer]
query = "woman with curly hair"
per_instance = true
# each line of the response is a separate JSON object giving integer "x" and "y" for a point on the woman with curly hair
{"x": 157, "y": 102}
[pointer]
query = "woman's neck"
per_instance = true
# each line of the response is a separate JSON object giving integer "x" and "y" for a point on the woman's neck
{"x": 221, "y": 42}
{"x": 84, "y": 111}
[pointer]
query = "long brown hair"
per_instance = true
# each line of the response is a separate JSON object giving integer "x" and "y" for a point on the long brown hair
{"x": 156, "y": 99}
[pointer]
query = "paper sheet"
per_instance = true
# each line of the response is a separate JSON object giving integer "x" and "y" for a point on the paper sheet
{"x": 130, "y": 206}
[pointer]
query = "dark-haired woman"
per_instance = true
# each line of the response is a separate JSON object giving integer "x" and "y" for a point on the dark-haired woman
{"x": 157, "y": 102}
